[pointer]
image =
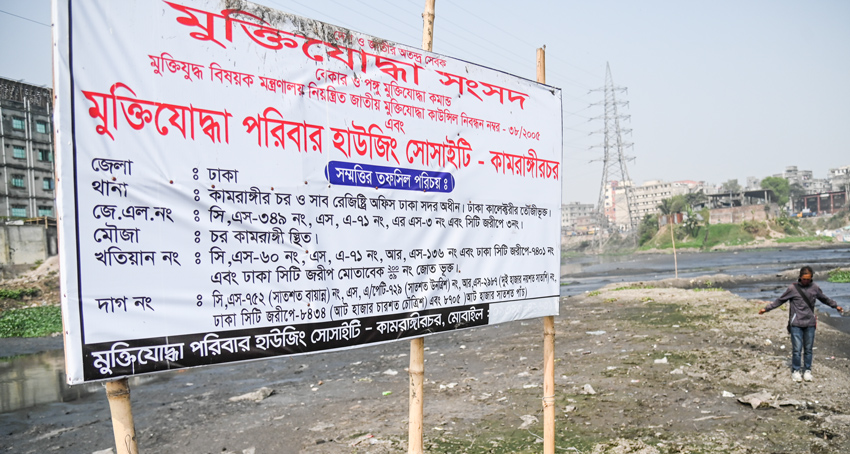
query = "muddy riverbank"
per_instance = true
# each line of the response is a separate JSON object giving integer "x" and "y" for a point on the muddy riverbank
{"x": 663, "y": 364}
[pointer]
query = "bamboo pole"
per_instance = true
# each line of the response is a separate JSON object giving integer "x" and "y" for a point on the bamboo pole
{"x": 118, "y": 394}
{"x": 416, "y": 370}
{"x": 428, "y": 26}
{"x": 548, "y": 333}
{"x": 549, "y": 385}
{"x": 673, "y": 239}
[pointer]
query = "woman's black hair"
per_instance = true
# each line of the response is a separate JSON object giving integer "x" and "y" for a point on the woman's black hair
{"x": 807, "y": 270}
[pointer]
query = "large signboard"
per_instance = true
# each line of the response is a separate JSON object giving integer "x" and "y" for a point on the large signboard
{"x": 238, "y": 183}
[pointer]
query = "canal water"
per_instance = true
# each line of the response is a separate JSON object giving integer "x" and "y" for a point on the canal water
{"x": 29, "y": 380}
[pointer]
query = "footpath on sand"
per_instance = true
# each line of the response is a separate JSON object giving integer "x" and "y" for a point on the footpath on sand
{"x": 638, "y": 370}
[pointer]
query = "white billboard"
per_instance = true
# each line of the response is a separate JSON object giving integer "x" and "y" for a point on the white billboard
{"x": 238, "y": 183}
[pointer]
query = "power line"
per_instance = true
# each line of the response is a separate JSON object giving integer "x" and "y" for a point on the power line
{"x": 25, "y": 18}
{"x": 288, "y": 7}
{"x": 520, "y": 38}
{"x": 559, "y": 77}
{"x": 450, "y": 45}
{"x": 394, "y": 19}
{"x": 385, "y": 24}
{"x": 416, "y": 29}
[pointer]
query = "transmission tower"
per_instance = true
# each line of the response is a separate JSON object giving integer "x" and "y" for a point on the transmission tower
{"x": 614, "y": 170}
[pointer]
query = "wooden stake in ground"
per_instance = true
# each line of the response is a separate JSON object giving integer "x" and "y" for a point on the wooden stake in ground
{"x": 673, "y": 239}
{"x": 118, "y": 394}
{"x": 416, "y": 371}
{"x": 548, "y": 333}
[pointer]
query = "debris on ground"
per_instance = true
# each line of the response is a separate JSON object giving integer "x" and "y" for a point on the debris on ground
{"x": 255, "y": 396}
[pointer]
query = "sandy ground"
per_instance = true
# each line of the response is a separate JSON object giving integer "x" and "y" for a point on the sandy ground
{"x": 638, "y": 370}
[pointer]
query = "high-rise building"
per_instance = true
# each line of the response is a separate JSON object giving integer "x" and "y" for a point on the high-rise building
{"x": 753, "y": 184}
{"x": 805, "y": 179}
{"x": 572, "y": 212}
{"x": 793, "y": 175}
{"x": 616, "y": 209}
{"x": 649, "y": 195}
{"x": 27, "y": 184}
{"x": 839, "y": 179}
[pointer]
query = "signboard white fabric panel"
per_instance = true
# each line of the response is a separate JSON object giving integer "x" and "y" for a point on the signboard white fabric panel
{"x": 238, "y": 183}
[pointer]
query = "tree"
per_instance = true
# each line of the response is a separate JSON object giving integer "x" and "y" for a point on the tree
{"x": 695, "y": 198}
{"x": 648, "y": 228}
{"x": 692, "y": 222}
{"x": 672, "y": 205}
{"x": 780, "y": 188}
{"x": 731, "y": 186}
{"x": 796, "y": 193}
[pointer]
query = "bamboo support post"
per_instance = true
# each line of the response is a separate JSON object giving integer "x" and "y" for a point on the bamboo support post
{"x": 118, "y": 394}
{"x": 428, "y": 26}
{"x": 548, "y": 332}
{"x": 416, "y": 371}
{"x": 549, "y": 385}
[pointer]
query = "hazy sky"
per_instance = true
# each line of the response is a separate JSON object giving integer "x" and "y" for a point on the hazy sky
{"x": 717, "y": 90}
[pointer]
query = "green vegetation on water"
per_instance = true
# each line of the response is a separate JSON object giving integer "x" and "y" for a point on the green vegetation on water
{"x": 800, "y": 239}
{"x": 18, "y": 294}
{"x": 634, "y": 287}
{"x": 31, "y": 322}
{"x": 839, "y": 276}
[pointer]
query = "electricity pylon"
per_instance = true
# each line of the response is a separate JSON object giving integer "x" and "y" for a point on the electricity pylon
{"x": 614, "y": 161}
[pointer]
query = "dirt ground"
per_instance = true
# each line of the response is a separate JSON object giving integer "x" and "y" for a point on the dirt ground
{"x": 44, "y": 277}
{"x": 638, "y": 370}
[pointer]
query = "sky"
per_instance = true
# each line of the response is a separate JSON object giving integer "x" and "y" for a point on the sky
{"x": 716, "y": 90}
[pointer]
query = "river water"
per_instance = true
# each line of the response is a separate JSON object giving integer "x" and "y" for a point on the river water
{"x": 586, "y": 274}
{"x": 29, "y": 380}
